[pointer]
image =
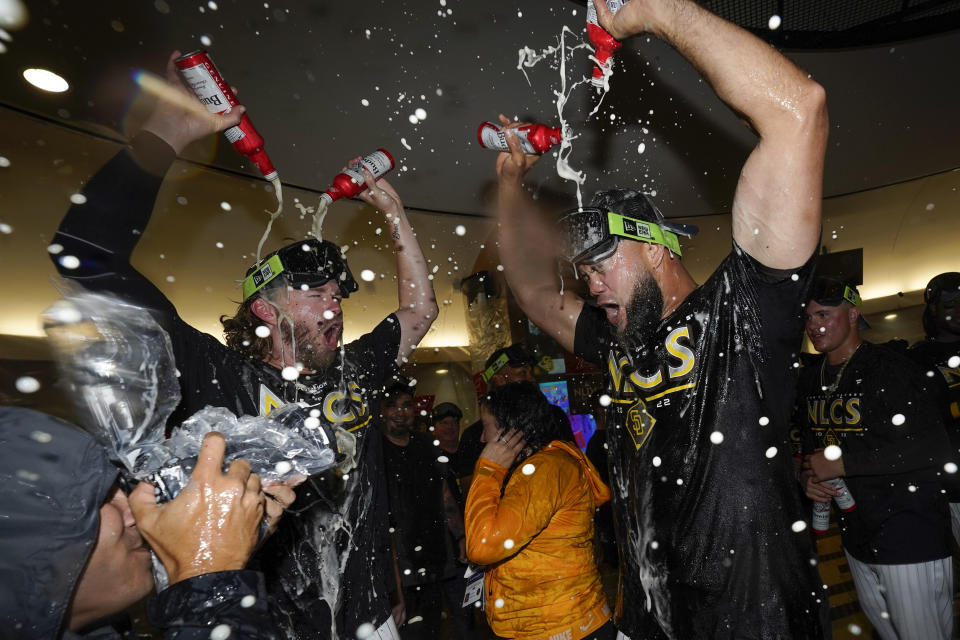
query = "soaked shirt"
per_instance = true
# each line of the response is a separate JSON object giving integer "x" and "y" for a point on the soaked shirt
{"x": 332, "y": 546}
{"x": 700, "y": 472}
{"x": 878, "y": 411}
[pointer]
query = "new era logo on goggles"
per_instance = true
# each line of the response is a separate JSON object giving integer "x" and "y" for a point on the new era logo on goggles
{"x": 592, "y": 234}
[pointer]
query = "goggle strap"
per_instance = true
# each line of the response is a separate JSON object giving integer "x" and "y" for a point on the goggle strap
{"x": 495, "y": 366}
{"x": 626, "y": 227}
{"x": 264, "y": 274}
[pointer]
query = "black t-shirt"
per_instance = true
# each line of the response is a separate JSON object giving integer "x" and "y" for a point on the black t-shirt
{"x": 934, "y": 359}
{"x": 892, "y": 438}
{"x": 414, "y": 479}
{"x": 702, "y": 480}
{"x": 348, "y": 508}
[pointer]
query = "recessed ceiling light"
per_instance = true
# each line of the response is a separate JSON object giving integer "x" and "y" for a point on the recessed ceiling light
{"x": 46, "y": 80}
{"x": 442, "y": 371}
{"x": 890, "y": 316}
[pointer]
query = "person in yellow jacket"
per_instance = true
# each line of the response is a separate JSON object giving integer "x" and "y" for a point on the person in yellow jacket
{"x": 529, "y": 518}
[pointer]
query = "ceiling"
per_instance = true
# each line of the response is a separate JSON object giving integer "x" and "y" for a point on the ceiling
{"x": 327, "y": 81}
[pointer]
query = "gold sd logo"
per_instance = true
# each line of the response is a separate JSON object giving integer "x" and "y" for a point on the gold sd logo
{"x": 639, "y": 423}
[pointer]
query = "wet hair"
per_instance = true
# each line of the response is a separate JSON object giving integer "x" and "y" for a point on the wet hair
{"x": 522, "y": 406}
{"x": 240, "y": 332}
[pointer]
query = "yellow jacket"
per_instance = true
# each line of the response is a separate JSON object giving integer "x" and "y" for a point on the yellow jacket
{"x": 538, "y": 542}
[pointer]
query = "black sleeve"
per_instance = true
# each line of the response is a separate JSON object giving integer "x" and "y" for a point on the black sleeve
{"x": 192, "y": 608}
{"x": 591, "y": 338}
{"x": 103, "y": 231}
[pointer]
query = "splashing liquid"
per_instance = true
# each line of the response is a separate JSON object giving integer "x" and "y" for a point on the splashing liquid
{"x": 529, "y": 58}
{"x": 278, "y": 191}
{"x": 316, "y": 229}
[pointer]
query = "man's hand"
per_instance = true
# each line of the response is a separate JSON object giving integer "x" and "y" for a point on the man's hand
{"x": 630, "y": 20}
{"x": 212, "y": 525}
{"x": 379, "y": 193}
{"x": 824, "y": 469}
{"x": 179, "y": 121}
{"x": 462, "y": 551}
{"x": 815, "y": 489}
{"x": 513, "y": 165}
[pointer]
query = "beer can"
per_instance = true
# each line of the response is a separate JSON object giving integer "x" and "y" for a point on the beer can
{"x": 821, "y": 517}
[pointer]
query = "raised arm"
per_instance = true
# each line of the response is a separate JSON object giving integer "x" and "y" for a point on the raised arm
{"x": 417, "y": 303}
{"x": 529, "y": 249}
{"x": 100, "y": 233}
{"x": 776, "y": 208}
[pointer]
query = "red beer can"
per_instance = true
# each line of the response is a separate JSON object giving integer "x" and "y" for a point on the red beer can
{"x": 201, "y": 75}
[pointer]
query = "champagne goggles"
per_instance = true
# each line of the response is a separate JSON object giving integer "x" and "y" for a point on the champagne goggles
{"x": 592, "y": 234}
{"x": 310, "y": 263}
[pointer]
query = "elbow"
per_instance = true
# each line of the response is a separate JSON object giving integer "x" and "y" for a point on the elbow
{"x": 813, "y": 109}
{"x": 431, "y": 310}
{"x": 479, "y": 552}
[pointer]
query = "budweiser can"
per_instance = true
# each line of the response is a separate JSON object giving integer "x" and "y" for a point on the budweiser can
{"x": 604, "y": 44}
{"x": 534, "y": 138}
{"x": 201, "y": 75}
{"x": 350, "y": 182}
{"x": 845, "y": 501}
{"x": 821, "y": 517}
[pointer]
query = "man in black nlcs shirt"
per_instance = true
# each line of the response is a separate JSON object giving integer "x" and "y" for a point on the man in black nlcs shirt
{"x": 865, "y": 416}
{"x": 699, "y": 377}
{"x": 328, "y": 564}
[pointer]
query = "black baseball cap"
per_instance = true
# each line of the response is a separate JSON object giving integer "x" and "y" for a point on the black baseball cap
{"x": 591, "y": 234}
{"x": 516, "y": 355}
{"x": 832, "y": 292}
{"x": 947, "y": 284}
{"x": 310, "y": 263}
{"x": 446, "y": 410}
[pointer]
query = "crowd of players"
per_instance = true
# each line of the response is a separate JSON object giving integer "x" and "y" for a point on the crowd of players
{"x": 701, "y": 398}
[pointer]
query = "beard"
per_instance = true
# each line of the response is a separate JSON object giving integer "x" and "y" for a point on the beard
{"x": 309, "y": 351}
{"x": 644, "y": 311}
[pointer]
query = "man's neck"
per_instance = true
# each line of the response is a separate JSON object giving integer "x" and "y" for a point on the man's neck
{"x": 843, "y": 353}
{"x": 401, "y": 440}
{"x": 675, "y": 286}
{"x": 449, "y": 447}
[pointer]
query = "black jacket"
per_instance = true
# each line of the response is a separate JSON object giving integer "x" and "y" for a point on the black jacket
{"x": 53, "y": 479}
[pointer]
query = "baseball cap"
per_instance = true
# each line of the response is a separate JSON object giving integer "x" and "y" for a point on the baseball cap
{"x": 831, "y": 292}
{"x": 591, "y": 234}
{"x": 446, "y": 410}
{"x": 944, "y": 284}
{"x": 516, "y": 355}
{"x": 308, "y": 262}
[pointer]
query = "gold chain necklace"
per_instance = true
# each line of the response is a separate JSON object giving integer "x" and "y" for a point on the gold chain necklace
{"x": 836, "y": 381}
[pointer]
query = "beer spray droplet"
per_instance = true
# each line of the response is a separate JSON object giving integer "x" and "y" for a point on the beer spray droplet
{"x": 27, "y": 384}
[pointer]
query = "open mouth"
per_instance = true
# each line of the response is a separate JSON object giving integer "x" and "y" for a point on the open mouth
{"x": 331, "y": 336}
{"x": 613, "y": 312}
